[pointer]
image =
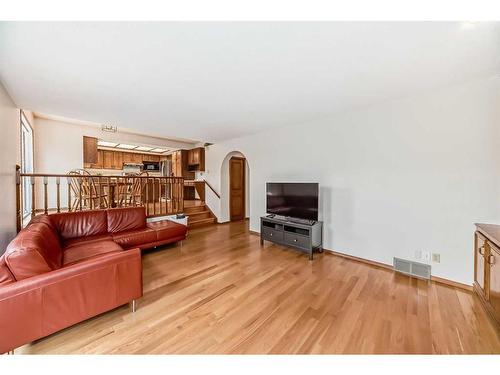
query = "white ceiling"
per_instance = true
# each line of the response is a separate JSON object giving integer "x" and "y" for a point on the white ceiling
{"x": 215, "y": 81}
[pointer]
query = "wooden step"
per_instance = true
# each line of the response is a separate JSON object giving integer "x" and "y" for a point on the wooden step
{"x": 200, "y": 222}
{"x": 199, "y": 215}
{"x": 190, "y": 209}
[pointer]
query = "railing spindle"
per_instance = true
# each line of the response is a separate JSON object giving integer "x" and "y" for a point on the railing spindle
{"x": 45, "y": 195}
{"x": 69, "y": 194}
{"x": 80, "y": 193}
{"x": 58, "y": 193}
{"x": 33, "y": 199}
{"x": 19, "y": 200}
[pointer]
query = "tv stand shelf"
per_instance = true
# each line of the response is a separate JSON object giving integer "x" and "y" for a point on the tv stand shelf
{"x": 304, "y": 236}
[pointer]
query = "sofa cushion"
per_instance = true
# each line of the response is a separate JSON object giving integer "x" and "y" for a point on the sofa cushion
{"x": 6, "y": 276}
{"x": 85, "y": 250}
{"x": 35, "y": 250}
{"x": 167, "y": 229}
{"x": 45, "y": 219}
{"x": 126, "y": 219}
{"x": 76, "y": 241}
{"x": 80, "y": 224}
{"x": 135, "y": 238}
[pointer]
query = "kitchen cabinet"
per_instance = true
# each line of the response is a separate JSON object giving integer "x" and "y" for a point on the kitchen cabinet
{"x": 107, "y": 159}
{"x": 149, "y": 157}
{"x": 196, "y": 158}
{"x": 487, "y": 269}
{"x": 180, "y": 164}
{"x": 89, "y": 150}
{"x": 117, "y": 160}
{"x": 128, "y": 157}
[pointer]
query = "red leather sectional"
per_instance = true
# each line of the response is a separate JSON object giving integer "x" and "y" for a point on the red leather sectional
{"x": 64, "y": 268}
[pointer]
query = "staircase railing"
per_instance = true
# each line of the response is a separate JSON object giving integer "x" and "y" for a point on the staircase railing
{"x": 39, "y": 193}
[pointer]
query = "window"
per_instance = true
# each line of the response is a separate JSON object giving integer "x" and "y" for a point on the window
{"x": 26, "y": 162}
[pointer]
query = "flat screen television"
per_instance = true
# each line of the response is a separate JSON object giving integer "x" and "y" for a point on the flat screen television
{"x": 293, "y": 199}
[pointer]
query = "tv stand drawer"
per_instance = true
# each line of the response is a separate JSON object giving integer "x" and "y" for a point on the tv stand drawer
{"x": 297, "y": 240}
{"x": 272, "y": 234}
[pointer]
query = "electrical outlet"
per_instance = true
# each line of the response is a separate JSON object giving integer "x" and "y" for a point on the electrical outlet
{"x": 436, "y": 257}
{"x": 426, "y": 255}
{"x": 418, "y": 254}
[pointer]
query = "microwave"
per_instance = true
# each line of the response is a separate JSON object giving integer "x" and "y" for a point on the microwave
{"x": 151, "y": 166}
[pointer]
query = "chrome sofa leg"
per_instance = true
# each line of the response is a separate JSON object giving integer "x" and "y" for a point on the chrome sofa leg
{"x": 133, "y": 305}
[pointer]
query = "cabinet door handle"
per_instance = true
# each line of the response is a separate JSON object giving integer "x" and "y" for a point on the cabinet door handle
{"x": 295, "y": 240}
{"x": 491, "y": 259}
{"x": 271, "y": 234}
{"x": 481, "y": 250}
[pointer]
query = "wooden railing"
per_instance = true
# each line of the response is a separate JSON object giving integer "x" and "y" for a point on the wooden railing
{"x": 50, "y": 193}
{"x": 211, "y": 188}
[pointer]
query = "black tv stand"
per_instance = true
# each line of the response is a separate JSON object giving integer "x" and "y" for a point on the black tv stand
{"x": 305, "y": 235}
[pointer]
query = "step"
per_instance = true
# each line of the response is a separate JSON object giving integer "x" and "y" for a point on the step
{"x": 200, "y": 222}
{"x": 199, "y": 215}
{"x": 190, "y": 209}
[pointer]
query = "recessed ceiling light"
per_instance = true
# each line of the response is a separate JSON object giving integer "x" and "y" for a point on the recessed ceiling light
{"x": 144, "y": 148}
{"x": 126, "y": 147}
{"x": 106, "y": 144}
{"x": 159, "y": 150}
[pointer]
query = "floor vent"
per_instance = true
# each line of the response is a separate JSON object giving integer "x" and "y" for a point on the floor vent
{"x": 411, "y": 268}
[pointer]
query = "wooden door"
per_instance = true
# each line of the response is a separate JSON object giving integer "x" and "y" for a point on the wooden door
{"x": 494, "y": 280}
{"x": 479, "y": 263}
{"x": 236, "y": 188}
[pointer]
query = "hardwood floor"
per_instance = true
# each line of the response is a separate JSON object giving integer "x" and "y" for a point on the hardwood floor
{"x": 220, "y": 292}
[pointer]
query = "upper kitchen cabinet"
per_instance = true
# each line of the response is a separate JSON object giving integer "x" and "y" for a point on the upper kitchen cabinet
{"x": 196, "y": 159}
{"x": 89, "y": 151}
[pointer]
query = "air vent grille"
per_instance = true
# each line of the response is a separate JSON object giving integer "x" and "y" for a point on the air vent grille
{"x": 411, "y": 268}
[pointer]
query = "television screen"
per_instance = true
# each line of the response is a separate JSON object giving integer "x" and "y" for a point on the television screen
{"x": 293, "y": 199}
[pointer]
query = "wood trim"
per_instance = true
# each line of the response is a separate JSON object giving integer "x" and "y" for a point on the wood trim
{"x": 436, "y": 279}
{"x": 254, "y": 233}
{"x": 452, "y": 283}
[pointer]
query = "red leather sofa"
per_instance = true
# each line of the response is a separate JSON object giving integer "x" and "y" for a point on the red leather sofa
{"x": 64, "y": 268}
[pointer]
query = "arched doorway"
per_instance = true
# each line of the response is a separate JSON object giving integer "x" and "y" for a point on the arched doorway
{"x": 235, "y": 192}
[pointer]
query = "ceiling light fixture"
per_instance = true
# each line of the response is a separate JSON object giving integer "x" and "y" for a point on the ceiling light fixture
{"x": 159, "y": 150}
{"x": 106, "y": 144}
{"x": 109, "y": 128}
{"x": 126, "y": 147}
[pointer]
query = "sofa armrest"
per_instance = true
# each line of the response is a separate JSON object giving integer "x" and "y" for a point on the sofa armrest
{"x": 38, "y": 306}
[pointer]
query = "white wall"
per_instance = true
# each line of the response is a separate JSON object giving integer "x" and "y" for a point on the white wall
{"x": 9, "y": 156}
{"x": 406, "y": 175}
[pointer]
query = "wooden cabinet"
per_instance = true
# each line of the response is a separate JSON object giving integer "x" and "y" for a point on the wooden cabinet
{"x": 107, "y": 159}
{"x": 494, "y": 281}
{"x": 180, "y": 164}
{"x": 479, "y": 262}
{"x": 487, "y": 268}
{"x": 196, "y": 158}
{"x": 117, "y": 160}
{"x": 128, "y": 157}
{"x": 149, "y": 157}
{"x": 89, "y": 150}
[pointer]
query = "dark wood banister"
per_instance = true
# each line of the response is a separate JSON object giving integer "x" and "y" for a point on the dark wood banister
{"x": 211, "y": 188}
